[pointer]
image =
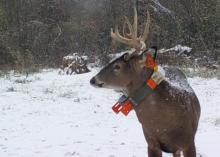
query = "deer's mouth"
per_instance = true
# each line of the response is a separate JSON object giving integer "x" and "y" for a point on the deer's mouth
{"x": 94, "y": 82}
{"x": 100, "y": 85}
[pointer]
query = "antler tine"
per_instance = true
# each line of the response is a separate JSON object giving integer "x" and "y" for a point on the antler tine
{"x": 116, "y": 36}
{"x": 129, "y": 26}
{"x": 135, "y": 23}
{"x": 124, "y": 29}
{"x": 126, "y": 34}
{"x": 146, "y": 29}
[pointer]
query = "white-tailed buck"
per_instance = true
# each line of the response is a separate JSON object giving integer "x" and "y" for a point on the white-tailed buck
{"x": 163, "y": 100}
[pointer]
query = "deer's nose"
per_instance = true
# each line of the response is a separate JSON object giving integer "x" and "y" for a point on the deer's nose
{"x": 93, "y": 81}
{"x": 96, "y": 82}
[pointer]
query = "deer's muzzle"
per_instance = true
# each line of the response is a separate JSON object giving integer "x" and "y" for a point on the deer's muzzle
{"x": 96, "y": 83}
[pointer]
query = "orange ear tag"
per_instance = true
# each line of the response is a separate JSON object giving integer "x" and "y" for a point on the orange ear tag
{"x": 150, "y": 62}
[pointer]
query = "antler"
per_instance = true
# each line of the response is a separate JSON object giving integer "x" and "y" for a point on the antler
{"x": 132, "y": 38}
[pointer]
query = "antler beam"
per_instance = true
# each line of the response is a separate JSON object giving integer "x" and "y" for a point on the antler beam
{"x": 131, "y": 39}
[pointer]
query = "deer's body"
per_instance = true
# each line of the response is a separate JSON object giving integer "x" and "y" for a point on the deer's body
{"x": 170, "y": 113}
{"x": 169, "y": 116}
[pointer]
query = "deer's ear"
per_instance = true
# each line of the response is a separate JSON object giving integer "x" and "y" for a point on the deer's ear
{"x": 126, "y": 56}
{"x": 142, "y": 59}
{"x": 152, "y": 51}
{"x": 148, "y": 55}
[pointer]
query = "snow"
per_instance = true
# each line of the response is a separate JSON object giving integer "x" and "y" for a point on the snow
{"x": 51, "y": 115}
{"x": 179, "y": 49}
{"x": 75, "y": 57}
{"x": 180, "y": 85}
{"x": 115, "y": 56}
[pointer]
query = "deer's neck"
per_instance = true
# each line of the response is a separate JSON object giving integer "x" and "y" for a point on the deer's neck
{"x": 137, "y": 82}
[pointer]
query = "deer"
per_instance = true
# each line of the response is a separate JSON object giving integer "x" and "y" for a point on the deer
{"x": 168, "y": 109}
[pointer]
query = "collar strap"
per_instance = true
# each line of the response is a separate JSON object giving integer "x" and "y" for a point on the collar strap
{"x": 126, "y": 104}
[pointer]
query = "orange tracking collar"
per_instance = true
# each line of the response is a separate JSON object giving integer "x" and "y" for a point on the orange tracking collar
{"x": 125, "y": 104}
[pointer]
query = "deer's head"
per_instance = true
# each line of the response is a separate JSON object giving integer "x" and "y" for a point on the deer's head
{"x": 129, "y": 67}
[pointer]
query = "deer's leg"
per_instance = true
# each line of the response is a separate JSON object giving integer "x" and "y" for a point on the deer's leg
{"x": 190, "y": 151}
{"x": 176, "y": 154}
{"x": 154, "y": 152}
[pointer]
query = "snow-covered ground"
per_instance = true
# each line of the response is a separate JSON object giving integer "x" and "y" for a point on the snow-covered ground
{"x": 51, "y": 115}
